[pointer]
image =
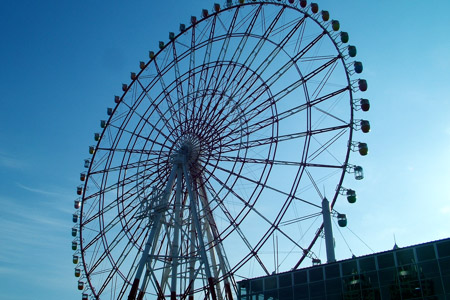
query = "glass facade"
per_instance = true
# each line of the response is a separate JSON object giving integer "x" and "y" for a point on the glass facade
{"x": 416, "y": 272}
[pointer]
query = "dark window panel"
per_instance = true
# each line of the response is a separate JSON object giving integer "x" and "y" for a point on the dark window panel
{"x": 349, "y": 268}
{"x": 428, "y": 269}
{"x": 334, "y": 296}
{"x": 425, "y": 253}
{"x": 445, "y": 266}
{"x": 315, "y": 274}
{"x": 300, "y": 277}
{"x": 432, "y": 286}
{"x": 405, "y": 257}
{"x": 443, "y": 249}
{"x": 385, "y": 261}
{"x": 271, "y": 295}
{"x": 317, "y": 289}
{"x": 387, "y": 276}
{"x": 285, "y": 280}
{"x": 301, "y": 292}
{"x": 372, "y": 293}
{"x": 367, "y": 264}
{"x": 333, "y": 286}
{"x": 270, "y": 283}
{"x": 256, "y": 286}
{"x": 446, "y": 283}
{"x": 386, "y": 293}
{"x": 352, "y": 284}
{"x": 369, "y": 279}
{"x": 410, "y": 289}
{"x": 332, "y": 271}
{"x": 286, "y": 294}
{"x": 435, "y": 284}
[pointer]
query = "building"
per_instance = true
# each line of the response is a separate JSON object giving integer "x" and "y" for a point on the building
{"x": 415, "y": 272}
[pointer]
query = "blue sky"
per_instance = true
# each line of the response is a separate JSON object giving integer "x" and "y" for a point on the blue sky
{"x": 63, "y": 61}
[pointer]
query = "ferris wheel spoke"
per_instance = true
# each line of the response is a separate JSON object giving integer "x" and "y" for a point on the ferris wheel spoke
{"x": 157, "y": 109}
{"x": 251, "y": 114}
{"x": 100, "y": 234}
{"x": 236, "y": 227}
{"x": 300, "y": 219}
{"x": 137, "y": 151}
{"x": 224, "y": 76}
{"x": 207, "y": 58}
{"x": 116, "y": 242}
{"x": 223, "y": 51}
{"x": 111, "y": 205}
{"x": 324, "y": 80}
{"x": 302, "y": 80}
{"x": 229, "y": 147}
{"x": 239, "y": 49}
{"x": 202, "y": 87}
{"x": 266, "y": 62}
{"x": 287, "y": 113}
{"x": 145, "y": 138}
{"x": 97, "y": 185}
{"x": 170, "y": 104}
{"x": 179, "y": 84}
{"x": 191, "y": 77}
{"x": 125, "y": 196}
{"x": 239, "y": 90}
{"x": 220, "y": 203}
{"x": 111, "y": 246}
{"x": 325, "y": 146}
{"x": 261, "y": 124}
{"x": 229, "y": 70}
{"x": 99, "y": 239}
{"x": 150, "y": 162}
{"x": 153, "y": 126}
{"x": 211, "y": 112}
{"x": 273, "y": 225}
{"x": 124, "y": 255}
{"x": 257, "y": 183}
{"x": 330, "y": 115}
{"x": 263, "y": 161}
{"x": 255, "y": 52}
{"x": 121, "y": 183}
{"x": 283, "y": 92}
{"x": 256, "y": 10}
{"x": 277, "y": 74}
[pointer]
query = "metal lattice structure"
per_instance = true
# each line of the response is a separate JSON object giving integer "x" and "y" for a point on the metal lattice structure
{"x": 213, "y": 155}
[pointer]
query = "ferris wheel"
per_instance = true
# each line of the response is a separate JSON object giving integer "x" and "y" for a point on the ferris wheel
{"x": 218, "y": 152}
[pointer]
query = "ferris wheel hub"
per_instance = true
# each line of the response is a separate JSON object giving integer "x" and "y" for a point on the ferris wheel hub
{"x": 188, "y": 150}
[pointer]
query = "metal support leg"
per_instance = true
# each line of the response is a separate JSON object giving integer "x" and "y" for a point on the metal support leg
{"x": 157, "y": 223}
{"x": 193, "y": 207}
{"x": 176, "y": 233}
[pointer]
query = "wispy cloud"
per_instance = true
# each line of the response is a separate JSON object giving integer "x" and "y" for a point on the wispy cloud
{"x": 39, "y": 191}
{"x": 52, "y": 198}
{"x": 35, "y": 239}
{"x": 9, "y": 161}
